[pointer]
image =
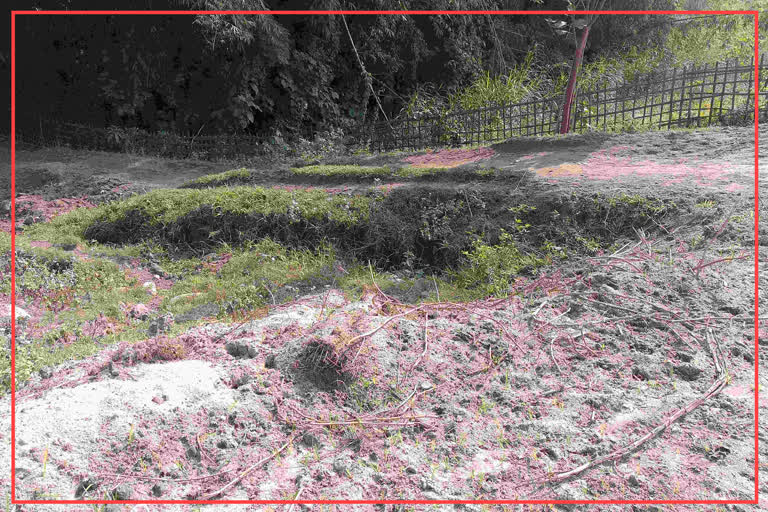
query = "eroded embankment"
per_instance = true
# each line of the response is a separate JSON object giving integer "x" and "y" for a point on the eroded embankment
{"x": 428, "y": 227}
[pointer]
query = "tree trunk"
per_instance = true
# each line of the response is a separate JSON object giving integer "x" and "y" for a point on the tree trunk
{"x": 568, "y": 100}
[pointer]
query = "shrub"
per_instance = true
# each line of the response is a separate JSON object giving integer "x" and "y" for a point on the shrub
{"x": 493, "y": 267}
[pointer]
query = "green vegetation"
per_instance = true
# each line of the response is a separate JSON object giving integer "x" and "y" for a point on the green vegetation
{"x": 214, "y": 179}
{"x": 245, "y": 279}
{"x": 493, "y": 268}
{"x": 653, "y": 206}
{"x": 251, "y": 278}
{"x": 487, "y": 90}
{"x": 167, "y": 205}
{"x": 717, "y": 38}
{"x": 340, "y": 170}
{"x": 417, "y": 172}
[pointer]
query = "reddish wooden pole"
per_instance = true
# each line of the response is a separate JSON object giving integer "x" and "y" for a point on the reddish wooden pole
{"x": 565, "y": 124}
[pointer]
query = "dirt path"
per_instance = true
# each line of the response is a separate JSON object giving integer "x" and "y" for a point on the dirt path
{"x": 713, "y": 159}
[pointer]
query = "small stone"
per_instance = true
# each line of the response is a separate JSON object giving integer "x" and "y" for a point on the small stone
{"x": 339, "y": 467}
{"x": 160, "y": 325}
{"x": 687, "y": 372}
{"x": 426, "y": 484}
{"x": 122, "y": 492}
{"x": 310, "y": 441}
{"x": 640, "y": 373}
{"x": 241, "y": 348}
{"x": 86, "y": 486}
{"x": 150, "y": 287}
{"x": 226, "y": 442}
{"x": 129, "y": 357}
{"x": 410, "y": 470}
{"x": 425, "y": 385}
{"x": 156, "y": 269}
{"x": 177, "y": 298}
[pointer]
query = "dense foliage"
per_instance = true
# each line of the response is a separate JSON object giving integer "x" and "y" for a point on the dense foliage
{"x": 283, "y": 75}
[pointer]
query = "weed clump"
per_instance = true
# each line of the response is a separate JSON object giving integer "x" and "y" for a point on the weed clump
{"x": 418, "y": 172}
{"x": 220, "y": 179}
{"x": 340, "y": 170}
{"x": 493, "y": 268}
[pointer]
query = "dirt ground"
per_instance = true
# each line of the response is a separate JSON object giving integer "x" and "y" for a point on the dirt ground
{"x": 625, "y": 376}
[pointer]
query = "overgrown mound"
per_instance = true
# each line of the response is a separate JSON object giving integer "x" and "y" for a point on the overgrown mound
{"x": 428, "y": 227}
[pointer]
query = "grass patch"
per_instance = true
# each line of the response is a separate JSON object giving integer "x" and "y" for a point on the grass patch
{"x": 493, "y": 268}
{"x": 214, "y": 179}
{"x": 340, "y": 170}
{"x": 166, "y": 206}
{"x": 417, "y": 172}
{"x": 38, "y": 355}
{"x": 251, "y": 278}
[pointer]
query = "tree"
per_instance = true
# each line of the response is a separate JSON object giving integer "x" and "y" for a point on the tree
{"x": 582, "y": 23}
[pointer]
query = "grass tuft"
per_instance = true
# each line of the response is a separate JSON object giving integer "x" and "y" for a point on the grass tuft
{"x": 417, "y": 172}
{"x": 213, "y": 179}
{"x": 340, "y": 170}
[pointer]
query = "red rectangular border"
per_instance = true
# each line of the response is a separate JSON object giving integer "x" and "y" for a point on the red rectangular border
{"x": 755, "y": 501}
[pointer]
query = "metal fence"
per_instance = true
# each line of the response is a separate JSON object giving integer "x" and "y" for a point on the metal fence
{"x": 687, "y": 97}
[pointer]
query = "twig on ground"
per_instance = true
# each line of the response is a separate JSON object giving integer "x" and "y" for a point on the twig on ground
{"x": 248, "y": 470}
{"x": 697, "y": 269}
{"x": 552, "y": 319}
{"x": 301, "y": 488}
{"x": 274, "y": 302}
{"x": 423, "y": 352}
{"x": 714, "y": 389}
{"x": 552, "y": 354}
{"x": 374, "y": 331}
{"x": 320, "y": 316}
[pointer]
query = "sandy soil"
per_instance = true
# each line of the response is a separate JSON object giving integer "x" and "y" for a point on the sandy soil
{"x": 620, "y": 376}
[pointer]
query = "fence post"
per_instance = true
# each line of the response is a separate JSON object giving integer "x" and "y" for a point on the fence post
{"x": 504, "y": 121}
{"x": 605, "y": 104}
{"x": 735, "y": 84}
{"x": 749, "y": 88}
{"x": 725, "y": 84}
{"x": 683, "y": 76}
{"x": 691, "y": 86}
{"x": 671, "y": 99}
{"x": 759, "y": 76}
{"x": 714, "y": 90}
